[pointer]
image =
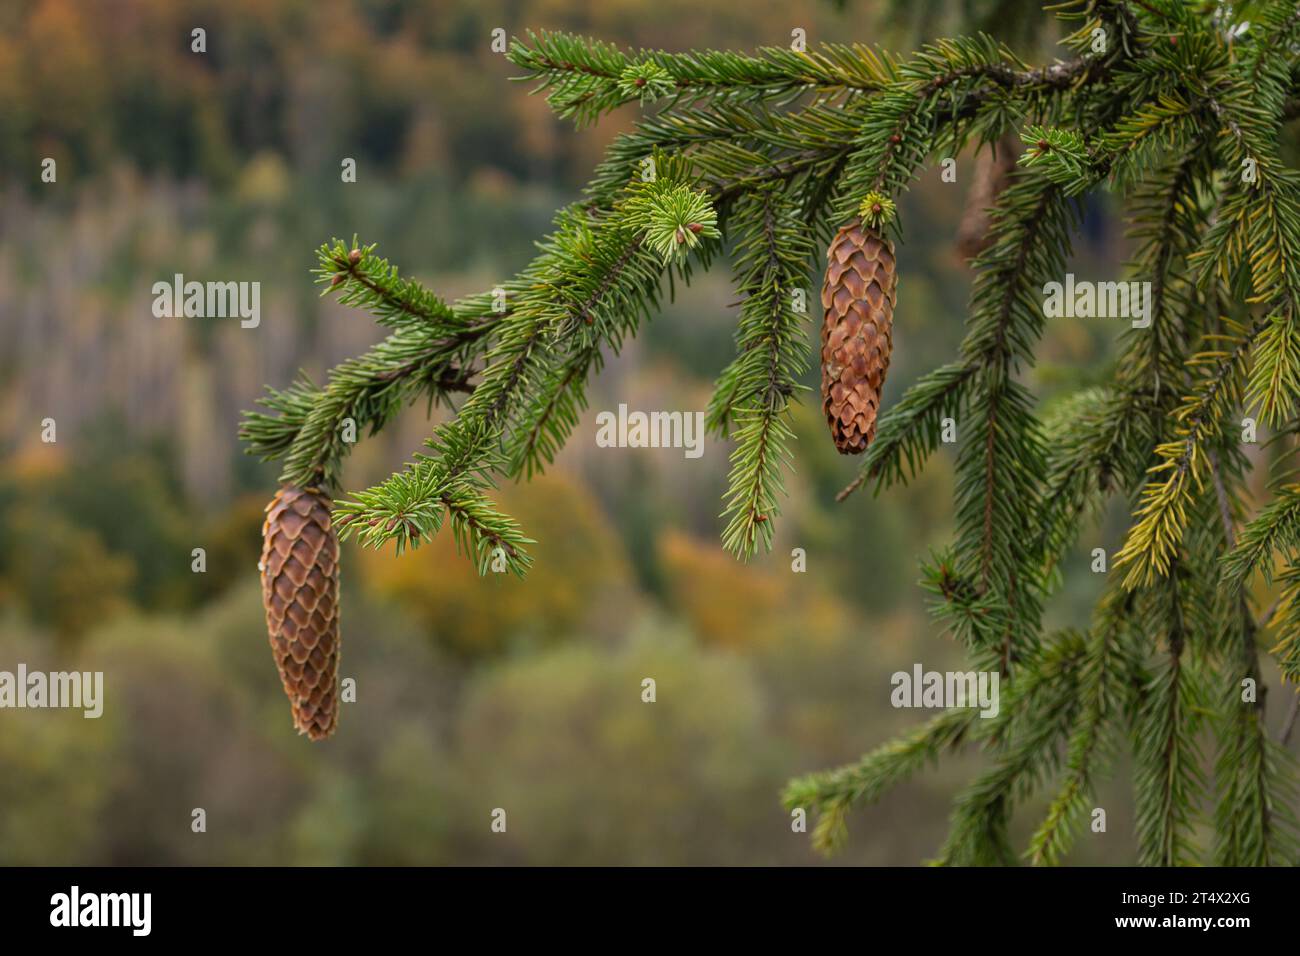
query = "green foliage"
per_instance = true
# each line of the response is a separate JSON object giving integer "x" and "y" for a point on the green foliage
{"x": 1103, "y": 692}
{"x": 1255, "y": 820}
{"x": 754, "y": 391}
{"x": 1274, "y": 385}
{"x": 1180, "y": 475}
{"x": 1174, "y": 110}
{"x": 1153, "y": 130}
{"x": 1276, "y": 529}
{"x": 1037, "y": 713}
{"x": 831, "y": 794}
{"x": 585, "y": 79}
{"x": 428, "y": 354}
{"x": 1060, "y": 155}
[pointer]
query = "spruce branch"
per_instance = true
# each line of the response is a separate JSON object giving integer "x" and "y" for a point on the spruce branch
{"x": 1276, "y": 529}
{"x": 910, "y": 430}
{"x": 1177, "y": 102}
{"x": 1274, "y": 384}
{"x": 1255, "y": 821}
{"x": 373, "y": 283}
{"x": 571, "y": 303}
{"x": 1039, "y": 709}
{"x": 1169, "y": 781}
{"x": 429, "y": 353}
{"x": 1000, "y": 464}
{"x": 755, "y": 390}
{"x": 1180, "y": 113}
{"x": 1097, "y": 440}
{"x": 586, "y": 79}
{"x": 831, "y": 794}
{"x": 1105, "y": 674}
{"x": 1286, "y": 623}
{"x": 1255, "y": 825}
{"x": 1161, "y": 517}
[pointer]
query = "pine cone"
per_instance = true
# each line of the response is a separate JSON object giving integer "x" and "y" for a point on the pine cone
{"x": 857, "y": 328}
{"x": 300, "y": 590}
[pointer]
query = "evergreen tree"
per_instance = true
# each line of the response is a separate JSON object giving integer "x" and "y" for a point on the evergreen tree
{"x": 1175, "y": 108}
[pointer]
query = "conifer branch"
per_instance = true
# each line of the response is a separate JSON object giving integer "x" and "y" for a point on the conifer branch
{"x": 1177, "y": 110}
{"x": 755, "y": 390}
{"x": 1255, "y": 822}
{"x": 910, "y": 430}
{"x": 1169, "y": 781}
{"x": 1276, "y": 529}
{"x": 428, "y": 353}
{"x": 1104, "y": 672}
{"x": 586, "y": 79}
{"x": 1040, "y": 709}
{"x": 1161, "y": 517}
{"x": 831, "y": 794}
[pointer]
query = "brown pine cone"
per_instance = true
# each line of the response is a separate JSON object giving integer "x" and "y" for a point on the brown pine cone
{"x": 300, "y": 590}
{"x": 857, "y": 328}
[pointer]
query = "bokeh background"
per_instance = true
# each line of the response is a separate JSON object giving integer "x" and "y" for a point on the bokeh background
{"x": 472, "y": 694}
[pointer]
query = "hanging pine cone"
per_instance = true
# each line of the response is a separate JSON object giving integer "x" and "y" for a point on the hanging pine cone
{"x": 300, "y": 590}
{"x": 857, "y": 327}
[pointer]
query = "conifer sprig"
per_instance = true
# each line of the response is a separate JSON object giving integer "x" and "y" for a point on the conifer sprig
{"x": 1105, "y": 676}
{"x": 754, "y": 391}
{"x": 829, "y": 795}
{"x": 1162, "y": 516}
{"x": 429, "y": 354}
{"x": 1275, "y": 530}
{"x": 1039, "y": 711}
{"x": 585, "y": 79}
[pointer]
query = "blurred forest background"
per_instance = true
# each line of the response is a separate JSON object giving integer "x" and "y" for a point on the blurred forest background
{"x": 472, "y": 694}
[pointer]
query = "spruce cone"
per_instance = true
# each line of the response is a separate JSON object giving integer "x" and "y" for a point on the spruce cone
{"x": 857, "y": 328}
{"x": 300, "y": 590}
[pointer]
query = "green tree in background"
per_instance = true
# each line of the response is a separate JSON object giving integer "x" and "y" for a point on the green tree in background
{"x": 1177, "y": 110}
